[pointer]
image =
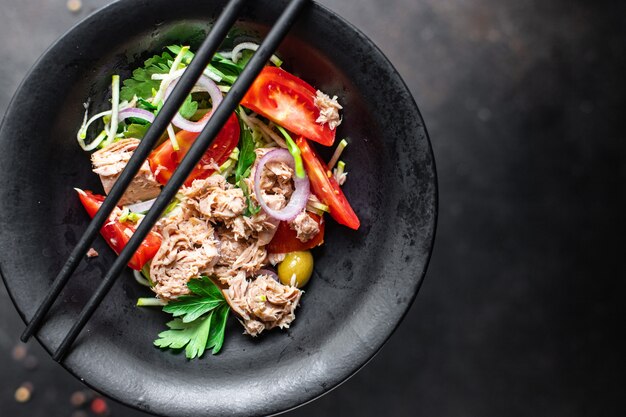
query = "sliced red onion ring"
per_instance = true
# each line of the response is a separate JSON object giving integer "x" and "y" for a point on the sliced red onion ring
{"x": 298, "y": 198}
{"x": 207, "y": 85}
{"x": 138, "y": 113}
{"x": 269, "y": 273}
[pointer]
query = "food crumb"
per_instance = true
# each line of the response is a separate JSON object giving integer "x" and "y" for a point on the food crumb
{"x": 99, "y": 406}
{"x": 19, "y": 352}
{"x": 74, "y": 6}
{"x": 78, "y": 399}
{"x": 23, "y": 393}
{"x": 92, "y": 253}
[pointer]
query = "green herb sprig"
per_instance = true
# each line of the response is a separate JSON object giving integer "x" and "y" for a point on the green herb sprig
{"x": 200, "y": 320}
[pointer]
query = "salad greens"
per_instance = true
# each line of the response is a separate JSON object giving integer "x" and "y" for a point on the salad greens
{"x": 141, "y": 84}
{"x": 200, "y": 320}
{"x": 247, "y": 156}
{"x": 294, "y": 151}
{"x": 220, "y": 69}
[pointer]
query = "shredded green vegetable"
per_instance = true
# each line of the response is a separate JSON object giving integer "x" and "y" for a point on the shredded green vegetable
{"x": 115, "y": 102}
{"x": 337, "y": 154}
{"x": 295, "y": 152}
{"x": 150, "y": 302}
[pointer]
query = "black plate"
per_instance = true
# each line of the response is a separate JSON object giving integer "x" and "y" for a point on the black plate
{"x": 364, "y": 283}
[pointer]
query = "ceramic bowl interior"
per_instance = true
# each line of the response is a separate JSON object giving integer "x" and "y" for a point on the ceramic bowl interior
{"x": 364, "y": 280}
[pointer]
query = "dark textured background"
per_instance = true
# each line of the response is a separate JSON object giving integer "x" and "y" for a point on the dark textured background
{"x": 521, "y": 310}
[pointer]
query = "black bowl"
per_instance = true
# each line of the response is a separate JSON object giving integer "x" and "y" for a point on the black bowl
{"x": 364, "y": 283}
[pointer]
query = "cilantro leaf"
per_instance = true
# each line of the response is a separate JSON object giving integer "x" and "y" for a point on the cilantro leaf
{"x": 200, "y": 320}
{"x": 141, "y": 84}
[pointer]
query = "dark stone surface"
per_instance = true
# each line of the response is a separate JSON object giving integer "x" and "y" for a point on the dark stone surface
{"x": 520, "y": 313}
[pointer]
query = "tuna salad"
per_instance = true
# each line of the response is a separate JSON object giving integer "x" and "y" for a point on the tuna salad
{"x": 237, "y": 238}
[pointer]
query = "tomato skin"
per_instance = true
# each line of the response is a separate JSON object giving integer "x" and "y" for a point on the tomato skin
{"x": 326, "y": 188}
{"x": 285, "y": 239}
{"x": 164, "y": 159}
{"x": 114, "y": 232}
{"x": 288, "y": 101}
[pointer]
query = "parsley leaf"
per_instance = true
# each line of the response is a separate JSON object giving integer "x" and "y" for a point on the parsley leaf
{"x": 246, "y": 54}
{"x": 141, "y": 84}
{"x": 193, "y": 335}
{"x": 143, "y": 104}
{"x": 204, "y": 287}
{"x": 216, "y": 335}
{"x": 189, "y": 108}
{"x": 251, "y": 209}
{"x": 175, "y": 49}
{"x": 201, "y": 320}
{"x": 206, "y": 298}
{"x": 220, "y": 66}
{"x": 247, "y": 156}
{"x": 136, "y": 130}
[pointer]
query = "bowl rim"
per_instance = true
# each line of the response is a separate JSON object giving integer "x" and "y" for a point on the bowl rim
{"x": 430, "y": 244}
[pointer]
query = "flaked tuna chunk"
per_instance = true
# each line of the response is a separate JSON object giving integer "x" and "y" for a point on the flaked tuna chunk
{"x": 260, "y": 225}
{"x": 276, "y": 181}
{"x": 110, "y": 161}
{"x": 275, "y": 258}
{"x": 241, "y": 239}
{"x": 189, "y": 249}
{"x": 238, "y": 255}
{"x": 262, "y": 303}
{"x": 214, "y": 198}
{"x": 329, "y": 110}
{"x": 306, "y": 228}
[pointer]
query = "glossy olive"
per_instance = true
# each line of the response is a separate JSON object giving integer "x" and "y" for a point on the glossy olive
{"x": 299, "y": 263}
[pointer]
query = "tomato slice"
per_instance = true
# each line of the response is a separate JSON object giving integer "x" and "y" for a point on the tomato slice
{"x": 288, "y": 101}
{"x": 325, "y": 186}
{"x": 117, "y": 234}
{"x": 285, "y": 240}
{"x": 164, "y": 159}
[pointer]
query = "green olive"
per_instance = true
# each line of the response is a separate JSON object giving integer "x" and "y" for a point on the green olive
{"x": 299, "y": 263}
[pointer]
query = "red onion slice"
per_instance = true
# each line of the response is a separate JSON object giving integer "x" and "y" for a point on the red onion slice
{"x": 142, "y": 206}
{"x": 205, "y": 84}
{"x": 269, "y": 273}
{"x": 298, "y": 198}
{"x": 138, "y": 113}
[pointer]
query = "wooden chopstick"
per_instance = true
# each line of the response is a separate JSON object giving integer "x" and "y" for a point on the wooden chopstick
{"x": 199, "y": 147}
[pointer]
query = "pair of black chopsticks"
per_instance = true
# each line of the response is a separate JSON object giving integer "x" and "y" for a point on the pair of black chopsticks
{"x": 172, "y": 104}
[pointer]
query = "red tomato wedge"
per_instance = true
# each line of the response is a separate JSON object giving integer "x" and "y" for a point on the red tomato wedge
{"x": 285, "y": 240}
{"x": 164, "y": 159}
{"x": 288, "y": 101}
{"x": 325, "y": 186}
{"x": 117, "y": 234}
